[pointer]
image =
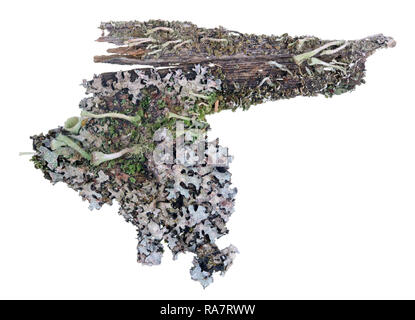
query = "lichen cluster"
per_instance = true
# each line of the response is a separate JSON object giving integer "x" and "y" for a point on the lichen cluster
{"x": 106, "y": 154}
{"x": 140, "y": 138}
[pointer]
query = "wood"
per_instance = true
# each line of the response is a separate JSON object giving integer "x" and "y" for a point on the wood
{"x": 244, "y": 62}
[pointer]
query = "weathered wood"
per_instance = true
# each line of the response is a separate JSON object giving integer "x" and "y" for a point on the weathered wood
{"x": 271, "y": 66}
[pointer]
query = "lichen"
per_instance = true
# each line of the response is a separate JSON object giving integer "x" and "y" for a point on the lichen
{"x": 184, "y": 204}
{"x": 140, "y": 138}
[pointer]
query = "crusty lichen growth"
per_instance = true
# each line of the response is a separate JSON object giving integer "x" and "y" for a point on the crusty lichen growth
{"x": 106, "y": 152}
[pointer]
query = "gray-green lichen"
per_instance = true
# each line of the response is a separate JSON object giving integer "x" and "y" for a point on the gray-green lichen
{"x": 184, "y": 203}
{"x": 183, "y": 197}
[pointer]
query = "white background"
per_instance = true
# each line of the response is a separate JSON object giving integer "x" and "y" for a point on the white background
{"x": 325, "y": 207}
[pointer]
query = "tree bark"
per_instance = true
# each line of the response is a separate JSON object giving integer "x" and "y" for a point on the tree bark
{"x": 252, "y": 67}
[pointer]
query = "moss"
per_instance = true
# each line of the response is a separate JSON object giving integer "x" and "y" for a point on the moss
{"x": 145, "y": 102}
{"x": 133, "y": 165}
{"x": 162, "y": 104}
{"x": 39, "y": 163}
